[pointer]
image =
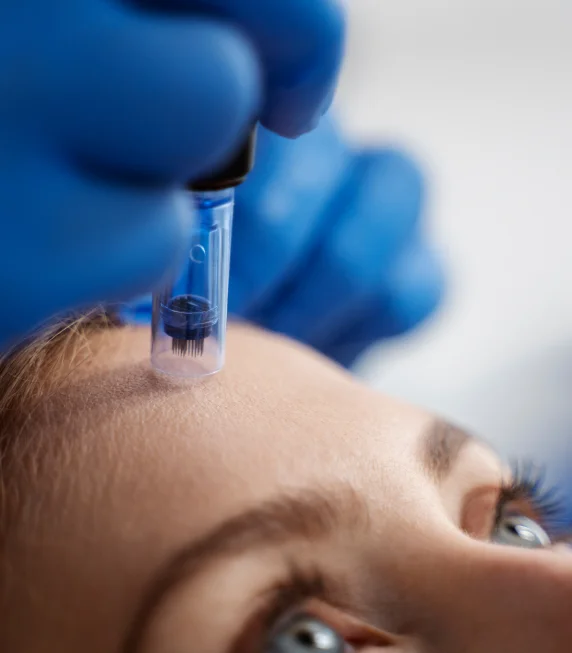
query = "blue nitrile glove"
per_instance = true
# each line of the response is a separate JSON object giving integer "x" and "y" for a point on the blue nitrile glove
{"x": 108, "y": 106}
{"x": 327, "y": 244}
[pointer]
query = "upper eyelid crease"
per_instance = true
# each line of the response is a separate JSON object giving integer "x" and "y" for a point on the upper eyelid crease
{"x": 308, "y": 515}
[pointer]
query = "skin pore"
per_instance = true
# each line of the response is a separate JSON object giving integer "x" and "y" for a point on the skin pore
{"x": 157, "y": 516}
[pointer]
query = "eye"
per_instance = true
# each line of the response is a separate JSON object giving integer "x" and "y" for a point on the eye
{"x": 305, "y": 634}
{"x": 530, "y": 513}
{"x": 520, "y": 531}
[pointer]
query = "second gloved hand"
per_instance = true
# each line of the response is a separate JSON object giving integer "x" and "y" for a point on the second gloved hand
{"x": 328, "y": 246}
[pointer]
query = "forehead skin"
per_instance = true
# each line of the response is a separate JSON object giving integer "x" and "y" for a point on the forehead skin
{"x": 134, "y": 465}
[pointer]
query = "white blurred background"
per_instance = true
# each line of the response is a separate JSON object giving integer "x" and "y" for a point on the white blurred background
{"x": 480, "y": 91}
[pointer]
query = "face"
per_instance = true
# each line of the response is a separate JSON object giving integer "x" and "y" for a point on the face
{"x": 279, "y": 507}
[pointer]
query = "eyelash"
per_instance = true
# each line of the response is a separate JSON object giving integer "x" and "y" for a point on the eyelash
{"x": 299, "y": 585}
{"x": 283, "y": 600}
{"x": 528, "y": 484}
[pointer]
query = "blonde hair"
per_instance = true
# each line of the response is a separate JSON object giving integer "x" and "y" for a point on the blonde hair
{"x": 28, "y": 374}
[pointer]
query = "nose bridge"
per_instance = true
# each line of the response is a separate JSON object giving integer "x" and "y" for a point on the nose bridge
{"x": 481, "y": 597}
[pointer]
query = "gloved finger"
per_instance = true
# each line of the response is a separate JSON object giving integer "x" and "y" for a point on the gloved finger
{"x": 93, "y": 242}
{"x": 280, "y": 211}
{"x": 413, "y": 290}
{"x": 300, "y": 45}
{"x": 415, "y": 287}
{"x": 376, "y": 214}
{"x": 151, "y": 97}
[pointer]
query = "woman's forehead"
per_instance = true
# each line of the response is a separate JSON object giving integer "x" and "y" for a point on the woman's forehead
{"x": 275, "y": 399}
{"x": 279, "y": 416}
{"x": 195, "y": 455}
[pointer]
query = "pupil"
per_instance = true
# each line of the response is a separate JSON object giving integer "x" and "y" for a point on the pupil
{"x": 305, "y": 638}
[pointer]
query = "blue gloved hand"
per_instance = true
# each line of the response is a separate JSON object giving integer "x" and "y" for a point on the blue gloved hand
{"x": 328, "y": 246}
{"x": 107, "y": 107}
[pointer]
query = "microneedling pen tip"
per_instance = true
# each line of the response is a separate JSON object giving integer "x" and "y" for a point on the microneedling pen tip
{"x": 190, "y": 310}
{"x": 189, "y": 321}
{"x": 183, "y": 347}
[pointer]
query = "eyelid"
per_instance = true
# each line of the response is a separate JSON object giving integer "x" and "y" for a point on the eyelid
{"x": 514, "y": 496}
{"x": 353, "y": 630}
{"x": 484, "y": 506}
{"x": 480, "y": 512}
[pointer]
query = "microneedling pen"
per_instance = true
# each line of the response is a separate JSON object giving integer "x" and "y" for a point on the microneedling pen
{"x": 190, "y": 312}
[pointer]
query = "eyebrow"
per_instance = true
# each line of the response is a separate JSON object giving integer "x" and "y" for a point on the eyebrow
{"x": 310, "y": 515}
{"x": 441, "y": 447}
